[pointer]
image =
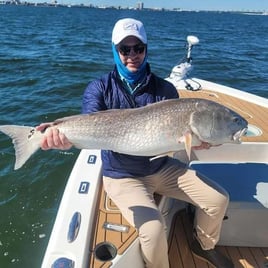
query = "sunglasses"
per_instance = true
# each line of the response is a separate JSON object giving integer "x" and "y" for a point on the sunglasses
{"x": 125, "y": 50}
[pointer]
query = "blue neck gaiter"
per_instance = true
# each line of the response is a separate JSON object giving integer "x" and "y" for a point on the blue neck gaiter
{"x": 131, "y": 77}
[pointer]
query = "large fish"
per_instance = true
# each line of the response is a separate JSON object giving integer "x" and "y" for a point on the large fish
{"x": 152, "y": 130}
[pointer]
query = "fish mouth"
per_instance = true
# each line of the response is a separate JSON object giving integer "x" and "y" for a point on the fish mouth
{"x": 237, "y": 136}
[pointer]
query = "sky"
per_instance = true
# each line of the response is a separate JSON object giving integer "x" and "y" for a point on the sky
{"x": 244, "y": 5}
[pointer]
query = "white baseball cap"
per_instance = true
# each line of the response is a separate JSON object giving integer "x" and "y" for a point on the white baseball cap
{"x": 128, "y": 27}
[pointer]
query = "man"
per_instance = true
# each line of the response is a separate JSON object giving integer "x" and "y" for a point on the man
{"x": 131, "y": 181}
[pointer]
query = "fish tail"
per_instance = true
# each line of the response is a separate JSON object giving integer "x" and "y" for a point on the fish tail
{"x": 25, "y": 139}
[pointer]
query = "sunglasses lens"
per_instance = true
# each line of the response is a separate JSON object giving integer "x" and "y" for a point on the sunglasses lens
{"x": 139, "y": 49}
{"x": 125, "y": 50}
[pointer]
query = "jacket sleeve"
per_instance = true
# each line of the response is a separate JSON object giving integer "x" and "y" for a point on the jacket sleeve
{"x": 93, "y": 99}
{"x": 164, "y": 89}
{"x": 171, "y": 90}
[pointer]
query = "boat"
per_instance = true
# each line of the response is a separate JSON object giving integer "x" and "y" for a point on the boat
{"x": 264, "y": 13}
{"x": 89, "y": 230}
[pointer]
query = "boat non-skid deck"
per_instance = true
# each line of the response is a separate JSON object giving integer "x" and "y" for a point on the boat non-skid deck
{"x": 180, "y": 255}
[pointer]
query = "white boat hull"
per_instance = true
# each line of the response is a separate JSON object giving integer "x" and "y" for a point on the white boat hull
{"x": 81, "y": 195}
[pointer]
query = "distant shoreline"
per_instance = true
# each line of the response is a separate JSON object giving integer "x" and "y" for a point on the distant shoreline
{"x": 45, "y": 4}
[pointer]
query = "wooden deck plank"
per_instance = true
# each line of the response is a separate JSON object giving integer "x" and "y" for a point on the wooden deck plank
{"x": 188, "y": 231}
{"x": 183, "y": 243}
{"x": 174, "y": 254}
{"x": 235, "y": 256}
{"x": 265, "y": 251}
{"x": 243, "y": 257}
{"x": 181, "y": 237}
{"x": 247, "y": 257}
{"x": 260, "y": 258}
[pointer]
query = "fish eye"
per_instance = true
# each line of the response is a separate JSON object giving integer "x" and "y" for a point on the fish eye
{"x": 236, "y": 119}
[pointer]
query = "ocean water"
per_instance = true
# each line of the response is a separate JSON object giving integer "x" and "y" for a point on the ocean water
{"x": 47, "y": 57}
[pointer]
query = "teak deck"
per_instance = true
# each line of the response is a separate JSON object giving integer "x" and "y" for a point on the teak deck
{"x": 181, "y": 231}
{"x": 180, "y": 255}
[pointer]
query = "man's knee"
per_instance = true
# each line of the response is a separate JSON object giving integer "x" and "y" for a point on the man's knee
{"x": 152, "y": 233}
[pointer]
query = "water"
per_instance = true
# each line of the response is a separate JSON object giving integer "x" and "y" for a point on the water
{"x": 47, "y": 57}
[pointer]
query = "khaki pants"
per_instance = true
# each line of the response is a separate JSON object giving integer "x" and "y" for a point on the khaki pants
{"x": 134, "y": 198}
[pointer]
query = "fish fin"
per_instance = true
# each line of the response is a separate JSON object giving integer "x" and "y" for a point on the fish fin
{"x": 187, "y": 140}
{"x": 169, "y": 154}
{"x": 25, "y": 139}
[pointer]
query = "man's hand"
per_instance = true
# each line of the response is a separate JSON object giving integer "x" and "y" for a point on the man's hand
{"x": 53, "y": 139}
{"x": 203, "y": 145}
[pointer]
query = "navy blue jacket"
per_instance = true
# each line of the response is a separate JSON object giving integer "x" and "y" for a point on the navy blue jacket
{"x": 108, "y": 92}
